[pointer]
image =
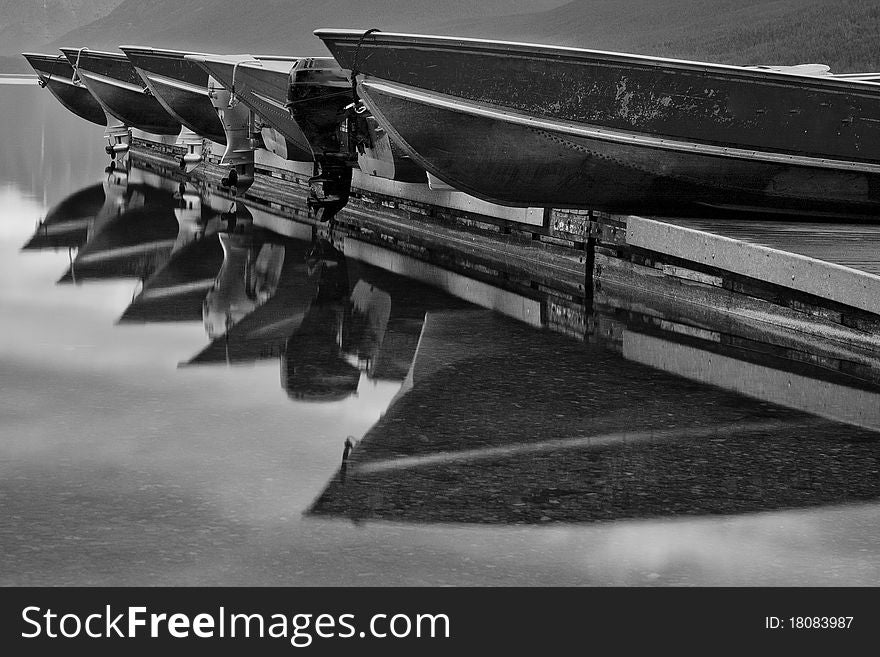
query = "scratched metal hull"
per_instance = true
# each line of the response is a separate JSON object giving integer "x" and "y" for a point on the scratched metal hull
{"x": 57, "y": 74}
{"x": 534, "y": 125}
{"x": 116, "y": 85}
{"x": 181, "y": 87}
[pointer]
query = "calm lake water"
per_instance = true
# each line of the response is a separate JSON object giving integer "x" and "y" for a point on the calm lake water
{"x": 178, "y": 384}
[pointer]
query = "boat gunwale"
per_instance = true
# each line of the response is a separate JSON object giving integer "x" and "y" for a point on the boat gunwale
{"x": 41, "y": 56}
{"x": 255, "y": 62}
{"x": 195, "y": 55}
{"x": 113, "y": 81}
{"x": 168, "y": 81}
{"x": 34, "y": 59}
{"x": 88, "y": 52}
{"x": 577, "y": 55}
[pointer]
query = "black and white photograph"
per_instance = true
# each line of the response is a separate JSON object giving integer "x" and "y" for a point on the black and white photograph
{"x": 436, "y": 294}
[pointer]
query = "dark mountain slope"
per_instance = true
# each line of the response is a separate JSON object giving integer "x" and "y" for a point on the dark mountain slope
{"x": 841, "y": 33}
{"x": 271, "y": 26}
{"x": 26, "y": 23}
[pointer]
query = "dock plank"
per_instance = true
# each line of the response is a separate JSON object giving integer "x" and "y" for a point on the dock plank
{"x": 850, "y": 245}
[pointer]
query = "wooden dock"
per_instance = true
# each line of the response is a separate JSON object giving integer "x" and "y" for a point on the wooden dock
{"x": 811, "y": 287}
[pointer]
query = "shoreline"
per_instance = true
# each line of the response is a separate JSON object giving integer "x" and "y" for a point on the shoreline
{"x": 18, "y": 78}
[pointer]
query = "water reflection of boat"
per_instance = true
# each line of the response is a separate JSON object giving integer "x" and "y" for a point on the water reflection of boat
{"x": 67, "y": 223}
{"x": 365, "y": 322}
{"x": 299, "y": 322}
{"x": 133, "y": 233}
{"x": 113, "y": 81}
{"x": 313, "y": 364}
{"x": 330, "y": 320}
{"x": 248, "y": 277}
{"x": 499, "y": 423}
{"x": 262, "y": 332}
{"x": 176, "y": 291}
{"x": 57, "y": 75}
{"x": 77, "y": 219}
{"x": 526, "y": 124}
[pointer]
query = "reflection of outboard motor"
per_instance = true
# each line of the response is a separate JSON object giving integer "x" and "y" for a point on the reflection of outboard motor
{"x": 230, "y": 180}
{"x": 237, "y": 219}
{"x": 188, "y": 210}
{"x": 118, "y": 167}
{"x": 318, "y": 99}
{"x": 327, "y": 266}
{"x": 238, "y": 124}
{"x": 248, "y": 278}
{"x": 367, "y": 315}
{"x": 312, "y": 366}
{"x": 117, "y": 199}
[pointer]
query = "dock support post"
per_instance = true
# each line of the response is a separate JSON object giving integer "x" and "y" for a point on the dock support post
{"x": 589, "y": 261}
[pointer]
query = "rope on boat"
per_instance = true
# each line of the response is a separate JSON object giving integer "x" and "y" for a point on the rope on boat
{"x": 77, "y": 79}
{"x": 44, "y": 83}
{"x": 291, "y": 103}
{"x": 234, "y": 70}
{"x": 356, "y": 62}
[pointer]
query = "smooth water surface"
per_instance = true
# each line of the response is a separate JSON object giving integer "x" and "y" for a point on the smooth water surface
{"x": 178, "y": 383}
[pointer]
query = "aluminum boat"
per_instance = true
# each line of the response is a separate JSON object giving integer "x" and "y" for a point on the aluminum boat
{"x": 525, "y": 124}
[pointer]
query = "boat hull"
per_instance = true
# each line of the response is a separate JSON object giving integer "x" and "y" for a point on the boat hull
{"x": 113, "y": 81}
{"x": 181, "y": 87}
{"x": 533, "y": 125}
{"x": 56, "y": 73}
{"x": 518, "y": 162}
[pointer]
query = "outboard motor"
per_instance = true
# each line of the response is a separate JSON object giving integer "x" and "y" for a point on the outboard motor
{"x": 118, "y": 137}
{"x": 329, "y": 190}
{"x": 195, "y": 148}
{"x": 318, "y": 99}
{"x": 238, "y": 124}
